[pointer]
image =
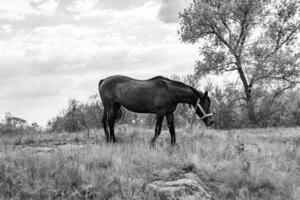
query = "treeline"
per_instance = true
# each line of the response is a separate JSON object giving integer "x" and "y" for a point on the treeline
{"x": 16, "y": 125}
{"x": 80, "y": 116}
{"x": 228, "y": 106}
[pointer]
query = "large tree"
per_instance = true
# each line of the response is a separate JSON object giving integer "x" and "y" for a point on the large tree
{"x": 255, "y": 38}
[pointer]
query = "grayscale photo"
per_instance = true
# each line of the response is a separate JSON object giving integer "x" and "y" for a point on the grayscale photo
{"x": 150, "y": 99}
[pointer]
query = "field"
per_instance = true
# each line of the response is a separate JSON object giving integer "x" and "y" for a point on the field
{"x": 237, "y": 164}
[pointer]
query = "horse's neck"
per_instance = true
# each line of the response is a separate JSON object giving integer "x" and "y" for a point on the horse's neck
{"x": 185, "y": 95}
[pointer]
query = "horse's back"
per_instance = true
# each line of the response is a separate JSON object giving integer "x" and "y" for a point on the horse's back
{"x": 116, "y": 78}
{"x": 113, "y": 80}
{"x": 126, "y": 78}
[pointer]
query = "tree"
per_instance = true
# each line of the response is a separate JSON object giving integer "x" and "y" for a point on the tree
{"x": 254, "y": 38}
{"x": 78, "y": 116}
{"x": 14, "y": 121}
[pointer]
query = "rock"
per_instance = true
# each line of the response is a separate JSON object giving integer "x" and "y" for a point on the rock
{"x": 193, "y": 176}
{"x": 167, "y": 174}
{"x": 186, "y": 188}
{"x": 39, "y": 149}
{"x": 71, "y": 147}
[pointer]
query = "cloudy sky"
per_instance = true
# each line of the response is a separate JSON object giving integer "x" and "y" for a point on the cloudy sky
{"x": 54, "y": 50}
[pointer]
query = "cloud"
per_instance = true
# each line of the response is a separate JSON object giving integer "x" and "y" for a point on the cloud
{"x": 6, "y": 28}
{"x": 33, "y": 87}
{"x": 46, "y": 8}
{"x": 15, "y": 10}
{"x": 99, "y": 41}
{"x": 88, "y": 46}
{"x": 170, "y": 9}
{"x": 122, "y": 5}
{"x": 90, "y": 5}
{"x": 83, "y": 6}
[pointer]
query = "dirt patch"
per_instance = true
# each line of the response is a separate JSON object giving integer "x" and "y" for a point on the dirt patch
{"x": 50, "y": 149}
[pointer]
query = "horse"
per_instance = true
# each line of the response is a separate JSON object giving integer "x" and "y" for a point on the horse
{"x": 158, "y": 95}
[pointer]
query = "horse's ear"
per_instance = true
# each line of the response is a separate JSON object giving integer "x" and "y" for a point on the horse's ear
{"x": 205, "y": 94}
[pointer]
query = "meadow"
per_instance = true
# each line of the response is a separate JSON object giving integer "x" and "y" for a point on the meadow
{"x": 233, "y": 164}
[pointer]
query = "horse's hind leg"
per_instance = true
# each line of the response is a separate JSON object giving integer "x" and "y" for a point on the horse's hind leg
{"x": 159, "y": 120}
{"x": 112, "y": 116}
{"x": 104, "y": 123}
{"x": 170, "y": 119}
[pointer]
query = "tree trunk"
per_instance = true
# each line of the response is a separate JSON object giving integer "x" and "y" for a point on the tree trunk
{"x": 248, "y": 92}
{"x": 250, "y": 107}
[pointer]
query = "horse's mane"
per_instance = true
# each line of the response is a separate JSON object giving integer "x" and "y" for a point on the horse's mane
{"x": 159, "y": 77}
{"x": 178, "y": 83}
{"x": 169, "y": 80}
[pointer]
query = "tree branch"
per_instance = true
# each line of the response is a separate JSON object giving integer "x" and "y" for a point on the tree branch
{"x": 280, "y": 44}
{"x": 227, "y": 65}
{"x": 221, "y": 38}
{"x": 240, "y": 98}
{"x": 268, "y": 114}
{"x": 226, "y": 26}
{"x": 242, "y": 36}
{"x": 278, "y": 93}
{"x": 269, "y": 76}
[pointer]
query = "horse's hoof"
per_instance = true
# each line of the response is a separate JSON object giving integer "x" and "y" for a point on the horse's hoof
{"x": 152, "y": 145}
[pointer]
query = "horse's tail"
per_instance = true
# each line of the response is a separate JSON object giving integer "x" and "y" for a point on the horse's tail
{"x": 99, "y": 85}
{"x": 119, "y": 115}
{"x": 100, "y": 82}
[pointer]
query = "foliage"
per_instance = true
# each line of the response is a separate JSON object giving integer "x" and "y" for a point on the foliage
{"x": 227, "y": 107}
{"x": 253, "y": 38}
{"x": 14, "y": 121}
{"x": 78, "y": 116}
{"x": 282, "y": 111}
{"x": 230, "y": 110}
{"x": 15, "y": 125}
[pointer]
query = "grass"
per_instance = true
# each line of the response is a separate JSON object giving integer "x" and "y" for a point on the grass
{"x": 268, "y": 167}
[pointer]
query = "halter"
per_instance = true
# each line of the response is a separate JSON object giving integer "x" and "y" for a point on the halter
{"x": 202, "y": 110}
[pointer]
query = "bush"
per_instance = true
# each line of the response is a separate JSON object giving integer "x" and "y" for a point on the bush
{"x": 229, "y": 108}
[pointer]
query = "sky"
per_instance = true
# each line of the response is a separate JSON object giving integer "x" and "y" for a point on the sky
{"x": 55, "y": 50}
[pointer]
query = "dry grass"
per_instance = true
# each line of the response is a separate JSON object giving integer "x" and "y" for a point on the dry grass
{"x": 239, "y": 164}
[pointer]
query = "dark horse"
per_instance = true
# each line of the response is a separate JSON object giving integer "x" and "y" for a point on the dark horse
{"x": 158, "y": 95}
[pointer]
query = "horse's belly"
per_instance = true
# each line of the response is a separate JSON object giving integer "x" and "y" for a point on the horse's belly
{"x": 139, "y": 107}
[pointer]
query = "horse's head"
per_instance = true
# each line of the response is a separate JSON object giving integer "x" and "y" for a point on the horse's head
{"x": 203, "y": 109}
